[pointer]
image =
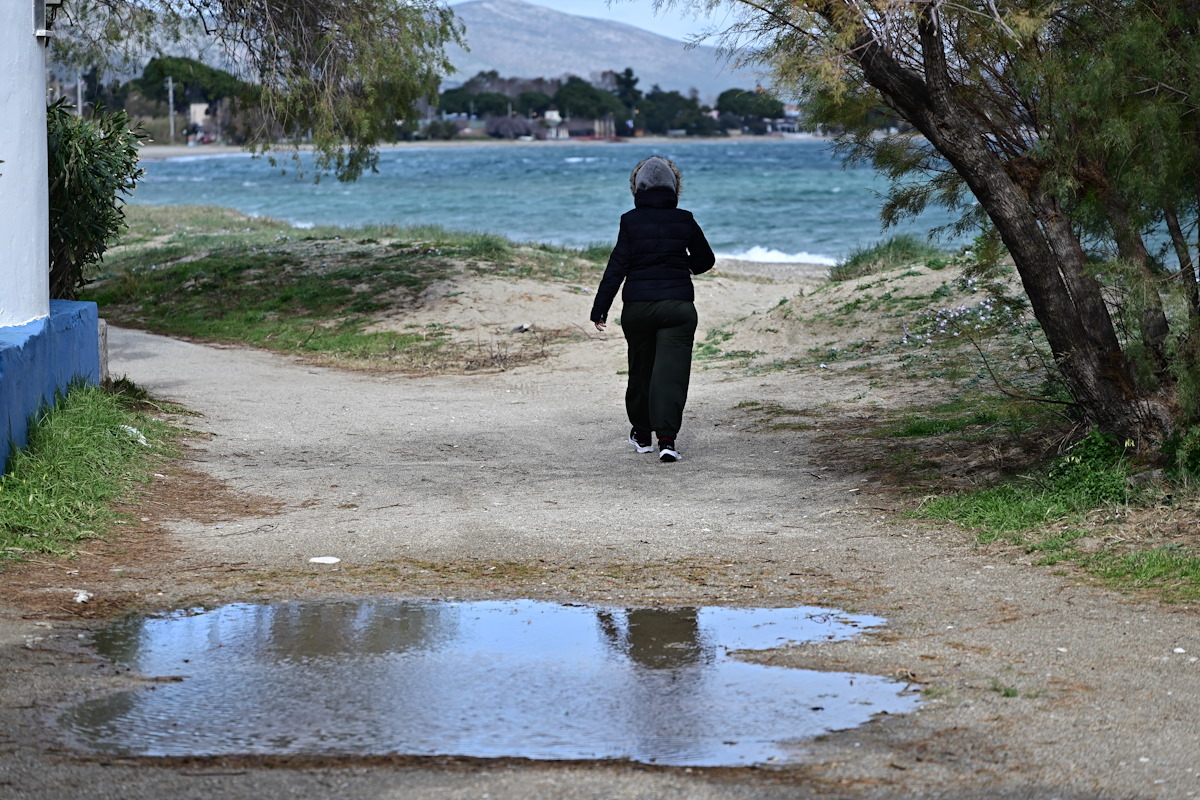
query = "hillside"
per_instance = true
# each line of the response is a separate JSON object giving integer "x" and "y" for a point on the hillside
{"x": 519, "y": 39}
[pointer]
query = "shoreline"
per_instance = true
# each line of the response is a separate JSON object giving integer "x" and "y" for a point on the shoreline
{"x": 773, "y": 271}
{"x": 162, "y": 152}
{"x": 731, "y": 265}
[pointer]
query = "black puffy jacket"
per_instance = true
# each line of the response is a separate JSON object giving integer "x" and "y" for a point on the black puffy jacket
{"x": 659, "y": 249}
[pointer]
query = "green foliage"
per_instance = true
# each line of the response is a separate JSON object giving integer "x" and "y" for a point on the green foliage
{"x": 581, "y": 100}
{"x": 661, "y": 111}
{"x": 83, "y": 454}
{"x": 440, "y": 129}
{"x": 626, "y": 87}
{"x": 745, "y": 104}
{"x": 335, "y": 75}
{"x": 1171, "y": 569}
{"x": 457, "y": 101}
{"x": 926, "y": 425}
{"x": 1093, "y": 474}
{"x": 92, "y": 163}
{"x": 1182, "y": 453}
{"x": 897, "y": 251}
{"x": 1058, "y": 547}
{"x": 1184, "y": 361}
{"x": 1070, "y": 126}
{"x": 487, "y": 246}
{"x": 215, "y": 274}
{"x": 194, "y": 81}
{"x": 251, "y": 294}
{"x": 533, "y": 103}
{"x": 490, "y": 104}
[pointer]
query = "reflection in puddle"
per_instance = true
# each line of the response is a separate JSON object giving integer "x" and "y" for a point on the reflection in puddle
{"x": 492, "y": 679}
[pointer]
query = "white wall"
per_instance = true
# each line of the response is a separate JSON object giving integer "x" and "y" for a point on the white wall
{"x": 24, "y": 194}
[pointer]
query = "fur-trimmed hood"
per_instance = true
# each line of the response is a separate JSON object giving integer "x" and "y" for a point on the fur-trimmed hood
{"x": 655, "y": 172}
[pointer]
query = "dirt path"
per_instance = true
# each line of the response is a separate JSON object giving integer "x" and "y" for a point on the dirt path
{"x": 520, "y": 484}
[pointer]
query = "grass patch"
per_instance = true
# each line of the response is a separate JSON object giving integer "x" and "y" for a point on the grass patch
{"x": 774, "y": 417}
{"x": 956, "y": 416}
{"x": 214, "y": 274}
{"x": 83, "y": 454}
{"x": 1092, "y": 475}
{"x": 898, "y": 251}
{"x": 971, "y": 415}
{"x": 1001, "y": 511}
{"x": 710, "y": 348}
{"x": 1172, "y": 570}
{"x": 1057, "y": 547}
{"x": 1085, "y": 494}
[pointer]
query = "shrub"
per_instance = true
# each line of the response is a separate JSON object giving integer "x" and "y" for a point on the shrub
{"x": 92, "y": 163}
{"x": 898, "y": 251}
{"x": 1182, "y": 451}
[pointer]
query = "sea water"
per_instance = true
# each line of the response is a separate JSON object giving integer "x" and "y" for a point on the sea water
{"x": 757, "y": 199}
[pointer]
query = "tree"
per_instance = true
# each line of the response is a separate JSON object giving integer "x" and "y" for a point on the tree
{"x": 534, "y": 102}
{"x": 334, "y": 73}
{"x": 580, "y": 99}
{"x": 754, "y": 104}
{"x": 194, "y": 81}
{"x": 626, "y": 87}
{"x": 92, "y": 163}
{"x": 457, "y": 101}
{"x": 663, "y": 111}
{"x": 1005, "y": 96}
{"x": 492, "y": 104}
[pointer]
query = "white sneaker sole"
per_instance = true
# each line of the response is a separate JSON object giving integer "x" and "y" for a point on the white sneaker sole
{"x": 668, "y": 455}
{"x": 641, "y": 448}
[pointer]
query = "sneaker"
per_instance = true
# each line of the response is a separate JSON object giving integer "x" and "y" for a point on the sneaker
{"x": 640, "y": 441}
{"x": 667, "y": 451}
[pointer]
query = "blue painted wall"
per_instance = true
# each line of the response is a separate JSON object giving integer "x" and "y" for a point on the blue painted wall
{"x": 41, "y": 359}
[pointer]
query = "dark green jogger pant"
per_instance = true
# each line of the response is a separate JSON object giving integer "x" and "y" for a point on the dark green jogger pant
{"x": 660, "y": 334}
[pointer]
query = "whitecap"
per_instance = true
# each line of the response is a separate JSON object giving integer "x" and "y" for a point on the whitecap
{"x": 768, "y": 256}
{"x": 205, "y": 157}
{"x": 304, "y": 225}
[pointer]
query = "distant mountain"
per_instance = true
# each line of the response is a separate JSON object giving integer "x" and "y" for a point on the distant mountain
{"x": 522, "y": 40}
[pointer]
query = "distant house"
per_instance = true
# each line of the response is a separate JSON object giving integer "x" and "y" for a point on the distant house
{"x": 553, "y": 122}
{"x": 44, "y": 344}
{"x": 580, "y": 127}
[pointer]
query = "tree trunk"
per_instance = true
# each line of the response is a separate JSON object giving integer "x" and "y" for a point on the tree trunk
{"x": 62, "y": 277}
{"x": 1067, "y": 304}
{"x": 1154, "y": 327}
{"x": 1187, "y": 268}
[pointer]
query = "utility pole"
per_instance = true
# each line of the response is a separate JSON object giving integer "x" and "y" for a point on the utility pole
{"x": 78, "y": 95}
{"x": 171, "y": 106}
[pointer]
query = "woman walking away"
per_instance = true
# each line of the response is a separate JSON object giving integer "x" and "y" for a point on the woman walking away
{"x": 659, "y": 248}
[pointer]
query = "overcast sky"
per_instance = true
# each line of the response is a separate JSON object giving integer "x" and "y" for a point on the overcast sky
{"x": 669, "y": 22}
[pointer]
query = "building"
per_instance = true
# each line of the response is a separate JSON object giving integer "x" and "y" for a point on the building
{"x": 44, "y": 344}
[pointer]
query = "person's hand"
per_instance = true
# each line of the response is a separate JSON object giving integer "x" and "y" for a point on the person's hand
{"x": 600, "y": 326}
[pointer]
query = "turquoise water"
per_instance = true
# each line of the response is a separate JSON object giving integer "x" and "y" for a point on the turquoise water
{"x": 756, "y": 199}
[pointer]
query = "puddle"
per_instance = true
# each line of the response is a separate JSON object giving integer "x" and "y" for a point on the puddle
{"x": 491, "y": 679}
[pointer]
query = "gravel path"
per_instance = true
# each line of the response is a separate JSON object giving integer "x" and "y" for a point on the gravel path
{"x": 1036, "y": 685}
